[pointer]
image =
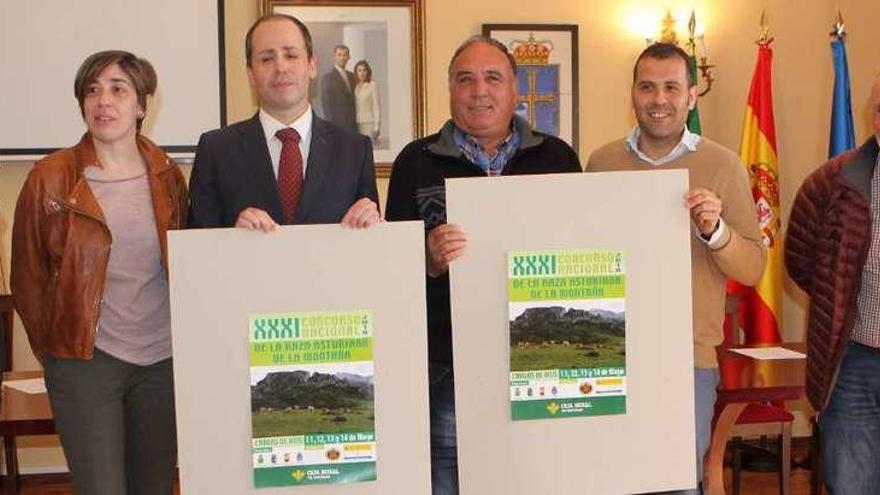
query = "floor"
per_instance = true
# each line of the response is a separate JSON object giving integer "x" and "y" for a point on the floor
{"x": 752, "y": 484}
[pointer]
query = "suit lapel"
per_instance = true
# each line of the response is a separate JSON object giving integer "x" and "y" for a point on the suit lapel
{"x": 320, "y": 150}
{"x": 259, "y": 166}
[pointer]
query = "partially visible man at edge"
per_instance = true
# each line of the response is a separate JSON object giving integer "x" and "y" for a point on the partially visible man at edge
{"x": 284, "y": 165}
{"x": 726, "y": 242}
{"x": 483, "y": 138}
{"x": 832, "y": 251}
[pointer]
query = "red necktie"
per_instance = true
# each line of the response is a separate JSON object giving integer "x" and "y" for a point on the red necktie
{"x": 290, "y": 173}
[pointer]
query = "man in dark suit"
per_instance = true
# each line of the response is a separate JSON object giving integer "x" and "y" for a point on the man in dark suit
{"x": 284, "y": 165}
{"x": 337, "y": 91}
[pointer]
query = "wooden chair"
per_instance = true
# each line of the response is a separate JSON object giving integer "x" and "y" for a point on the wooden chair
{"x": 758, "y": 412}
{"x": 6, "y": 318}
{"x": 21, "y": 414}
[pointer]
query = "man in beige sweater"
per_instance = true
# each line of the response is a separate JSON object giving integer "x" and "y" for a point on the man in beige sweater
{"x": 726, "y": 241}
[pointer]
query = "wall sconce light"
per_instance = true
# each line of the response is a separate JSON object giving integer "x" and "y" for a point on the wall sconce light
{"x": 695, "y": 45}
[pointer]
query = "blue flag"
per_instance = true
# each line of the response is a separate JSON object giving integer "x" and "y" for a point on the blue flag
{"x": 843, "y": 137}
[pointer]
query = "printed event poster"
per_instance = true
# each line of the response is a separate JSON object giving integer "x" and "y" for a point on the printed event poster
{"x": 567, "y": 333}
{"x": 312, "y": 416}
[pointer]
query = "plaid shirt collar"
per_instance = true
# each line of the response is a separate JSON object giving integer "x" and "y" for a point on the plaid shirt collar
{"x": 474, "y": 152}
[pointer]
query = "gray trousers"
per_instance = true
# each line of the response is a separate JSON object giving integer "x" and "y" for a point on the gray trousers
{"x": 116, "y": 422}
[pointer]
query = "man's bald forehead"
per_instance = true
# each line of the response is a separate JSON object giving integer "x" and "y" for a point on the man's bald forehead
{"x": 484, "y": 40}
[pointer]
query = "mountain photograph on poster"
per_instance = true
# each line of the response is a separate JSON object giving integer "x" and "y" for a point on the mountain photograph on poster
{"x": 304, "y": 401}
{"x": 545, "y": 335}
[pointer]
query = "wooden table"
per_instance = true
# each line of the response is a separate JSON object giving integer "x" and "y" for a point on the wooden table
{"x": 21, "y": 414}
{"x": 745, "y": 380}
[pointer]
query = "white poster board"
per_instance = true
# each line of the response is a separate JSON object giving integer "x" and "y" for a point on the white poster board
{"x": 651, "y": 446}
{"x": 220, "y": 277}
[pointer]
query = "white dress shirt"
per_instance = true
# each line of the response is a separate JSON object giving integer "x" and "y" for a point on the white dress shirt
{"x": 302, "y": 125}
{"x": 688, "y": 142}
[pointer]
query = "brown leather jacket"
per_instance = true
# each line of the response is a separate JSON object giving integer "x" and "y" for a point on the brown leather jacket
{"x": 61, "y": 245}
{"x": 826, "y": 245}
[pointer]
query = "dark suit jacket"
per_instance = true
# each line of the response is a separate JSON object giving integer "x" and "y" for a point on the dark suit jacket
{"x": 233, "y": 171}
{"x": 337, "y": 101}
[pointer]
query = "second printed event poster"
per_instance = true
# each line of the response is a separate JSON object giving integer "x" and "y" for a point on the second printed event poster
{"x": 312, "y": 416}
{"x": 567, "y": 333}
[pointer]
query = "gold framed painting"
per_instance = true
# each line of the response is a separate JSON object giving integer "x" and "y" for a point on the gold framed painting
{"x": 382, "y": 74}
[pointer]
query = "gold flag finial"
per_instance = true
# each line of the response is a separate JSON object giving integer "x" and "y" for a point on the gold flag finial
{"x": 838, "y": 30}
{"x": 765, "y": 37}
{"x": 692, "y": 24}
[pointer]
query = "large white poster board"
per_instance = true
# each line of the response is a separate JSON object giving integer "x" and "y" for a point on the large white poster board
{"x": 221, "y": 277}
{"x": 651, "y": 446}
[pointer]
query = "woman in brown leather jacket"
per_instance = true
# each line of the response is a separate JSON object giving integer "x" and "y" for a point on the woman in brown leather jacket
{"x": 89, "y": 279}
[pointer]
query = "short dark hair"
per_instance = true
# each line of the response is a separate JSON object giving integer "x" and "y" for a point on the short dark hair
{"x": 249, "y": 37}
{"x": 139, "y": 70}
{"x": 366, "y": 67}
{"x": 478, "y": 38}
{"x": 663, "y": 51}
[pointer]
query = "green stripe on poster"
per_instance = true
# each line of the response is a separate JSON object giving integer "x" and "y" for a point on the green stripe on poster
{"x": 562, "y": 408}
{"x": 315, "y": 474}
{"x": 566, "y": 288}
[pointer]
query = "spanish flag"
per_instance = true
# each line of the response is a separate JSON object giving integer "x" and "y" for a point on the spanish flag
{"x": 760, "y": 307}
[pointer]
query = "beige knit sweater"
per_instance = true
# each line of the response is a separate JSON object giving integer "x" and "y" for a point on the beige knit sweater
{"x": 739, "y": 254}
